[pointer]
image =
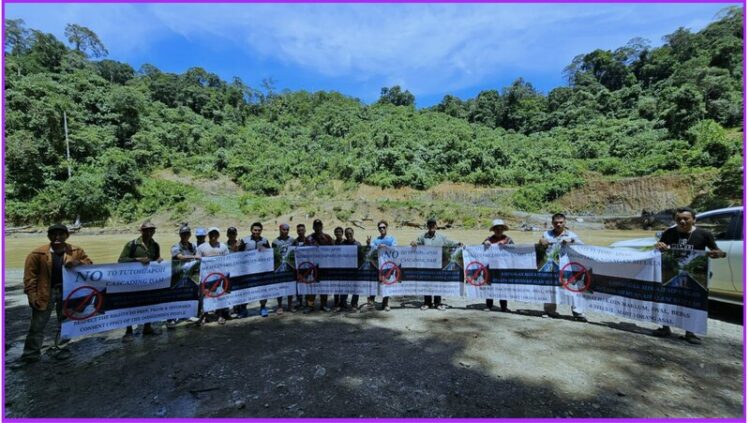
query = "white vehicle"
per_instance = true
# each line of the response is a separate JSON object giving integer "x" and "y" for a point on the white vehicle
{"x": 725, "y": 275}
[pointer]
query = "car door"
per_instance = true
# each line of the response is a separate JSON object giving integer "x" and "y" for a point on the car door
{"x": 721, "y": 272}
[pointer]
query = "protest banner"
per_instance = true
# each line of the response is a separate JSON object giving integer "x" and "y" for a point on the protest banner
{"x": 337, "y": 269}
{"x": 418, "y": 270}
{"x": 507, "y": 272}
{"x": 98, "y": 298}
{"x": 667, "y": 288}
{"x": 241, "y": 278}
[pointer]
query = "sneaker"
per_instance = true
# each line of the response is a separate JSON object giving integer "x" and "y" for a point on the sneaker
{"x": 234, "y": 316}
{"x": 692, "y": 338}
{"x": 387, "y": 308}
{"x": 442, "y": 307}
{"x": 662, "y": 332}
{"x": 128, "y": 337}
{"x": 222, "y": 320}
{"x": 242, "y": 313}
{"x": 337, "y": 310}
{"x": 307, "y": 310}
{"x": 171, "y": 324}
{"x": 279, "y": 310}
{"x": 579, "y": 317}
{"x": 326, "y": 309}
{"x": 424, "y": 307}
{"x": 264, "y": 312}
{"x": 149, "y": 330}
{"x": 63, "y": 354}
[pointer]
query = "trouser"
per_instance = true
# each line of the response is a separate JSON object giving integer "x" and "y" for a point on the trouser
{"x": 311, "y": 300}
{"x": 339, "y": 300}
{"x": 552, "y": 308}
{"x": 289, "y": 301}
{"x": 503, "y": 303}
{"x": 32, "y": 348}
{"x": 429, "y": 301}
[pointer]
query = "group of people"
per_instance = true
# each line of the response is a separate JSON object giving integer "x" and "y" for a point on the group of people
{"x": 43, "y": 267}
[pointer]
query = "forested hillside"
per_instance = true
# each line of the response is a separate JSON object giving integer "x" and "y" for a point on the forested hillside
{"x": 635, "y": 111}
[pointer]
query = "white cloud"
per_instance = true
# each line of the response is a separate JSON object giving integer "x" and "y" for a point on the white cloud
{"x": 427, "y": 48}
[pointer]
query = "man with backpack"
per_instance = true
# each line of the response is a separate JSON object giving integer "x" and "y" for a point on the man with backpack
{"x": 143, "y": 249}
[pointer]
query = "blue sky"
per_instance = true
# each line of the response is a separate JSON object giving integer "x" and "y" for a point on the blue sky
{"x": 429, "y": 49}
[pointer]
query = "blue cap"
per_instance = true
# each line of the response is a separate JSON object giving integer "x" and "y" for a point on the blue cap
{"x": 200, "y": 231}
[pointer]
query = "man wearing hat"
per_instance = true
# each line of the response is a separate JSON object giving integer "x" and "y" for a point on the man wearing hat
{"x": 200, "y": 236}
{"x": 42, "y": 284}
{"x": 434, "y": 239}
{"x": 183, "y": 251}
{"x": 143, "y": 249}
{"x": 498, "y": 237}
{"x": 318, "y": 237}
{"x": 282, "y": 244}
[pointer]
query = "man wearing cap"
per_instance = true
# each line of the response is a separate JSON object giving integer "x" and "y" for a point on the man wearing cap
{"x": 498, "y": 237}
{"x": 254, "y": 242}
{"x": 553, "y": 240}
{"x": 434, "y": 239}
{"x": 214, "y": 248}
{"x": 144, "y": 250}
{"x": 183, "y": 251}
{"x": 318, "y": 238}
{"x": 232, "y": 242}
{"x": 42, "y": 284}
{"x": 282, "y": 244}
{"x": 200, "y": 236}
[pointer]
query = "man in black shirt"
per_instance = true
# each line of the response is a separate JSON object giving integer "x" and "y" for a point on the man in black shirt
{"x": 686, "y": 236}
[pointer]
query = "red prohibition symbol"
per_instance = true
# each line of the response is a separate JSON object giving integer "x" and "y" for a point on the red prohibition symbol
{"x": 390, "y": 273}
{"x": 210, "y": 290}
{"x": 75, "y": 314}
{"x": 307, "y": 272}
{"x": 477, "y": 274}
{"x": 577, "y": 272}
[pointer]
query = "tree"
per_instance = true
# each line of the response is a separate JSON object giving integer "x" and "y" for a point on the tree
{"x": 85, "y": 41}
{"x": 395, "y": 96}
{"x": 115, "y": 72}
{"x": 16, "y": 37}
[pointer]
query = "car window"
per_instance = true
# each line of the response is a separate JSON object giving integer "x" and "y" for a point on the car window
{"x": 718, "y": 224}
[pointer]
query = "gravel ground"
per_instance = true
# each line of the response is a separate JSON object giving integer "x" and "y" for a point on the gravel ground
{"x": 461, "y": 362}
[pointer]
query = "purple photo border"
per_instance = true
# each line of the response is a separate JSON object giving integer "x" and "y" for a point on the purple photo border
{"x": 388, "y": 420}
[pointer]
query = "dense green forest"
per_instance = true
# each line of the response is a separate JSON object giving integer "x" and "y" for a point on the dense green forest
{"x": 635, "y": 111}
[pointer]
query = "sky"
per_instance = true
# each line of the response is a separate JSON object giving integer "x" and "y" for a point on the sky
{"x": 356, "y": 49}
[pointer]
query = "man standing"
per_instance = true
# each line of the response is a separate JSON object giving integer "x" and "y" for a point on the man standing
{"x": 214, "y": 248}
{"x": 432, "y": 238}
{"x": 42, "y": 284}
{"x": 254, "y": 242}
{"x": 349, "y": 240}
{"x": 553, "y": 240}
{"x": 318, "y": 238}
{"x": 381, "y": 241}
{"x": 686, "y": 236}
{"x": 144, "y": 250}
{"x": 282, "y": 244}
{"x": 339, "y": 300}
{"x": 183, "y": 251}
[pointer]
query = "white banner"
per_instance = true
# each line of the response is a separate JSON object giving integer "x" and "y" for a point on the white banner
{"x": 241, "y": 278}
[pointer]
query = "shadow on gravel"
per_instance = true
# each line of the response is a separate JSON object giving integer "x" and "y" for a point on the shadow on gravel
{"x": 349, "y": 365}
